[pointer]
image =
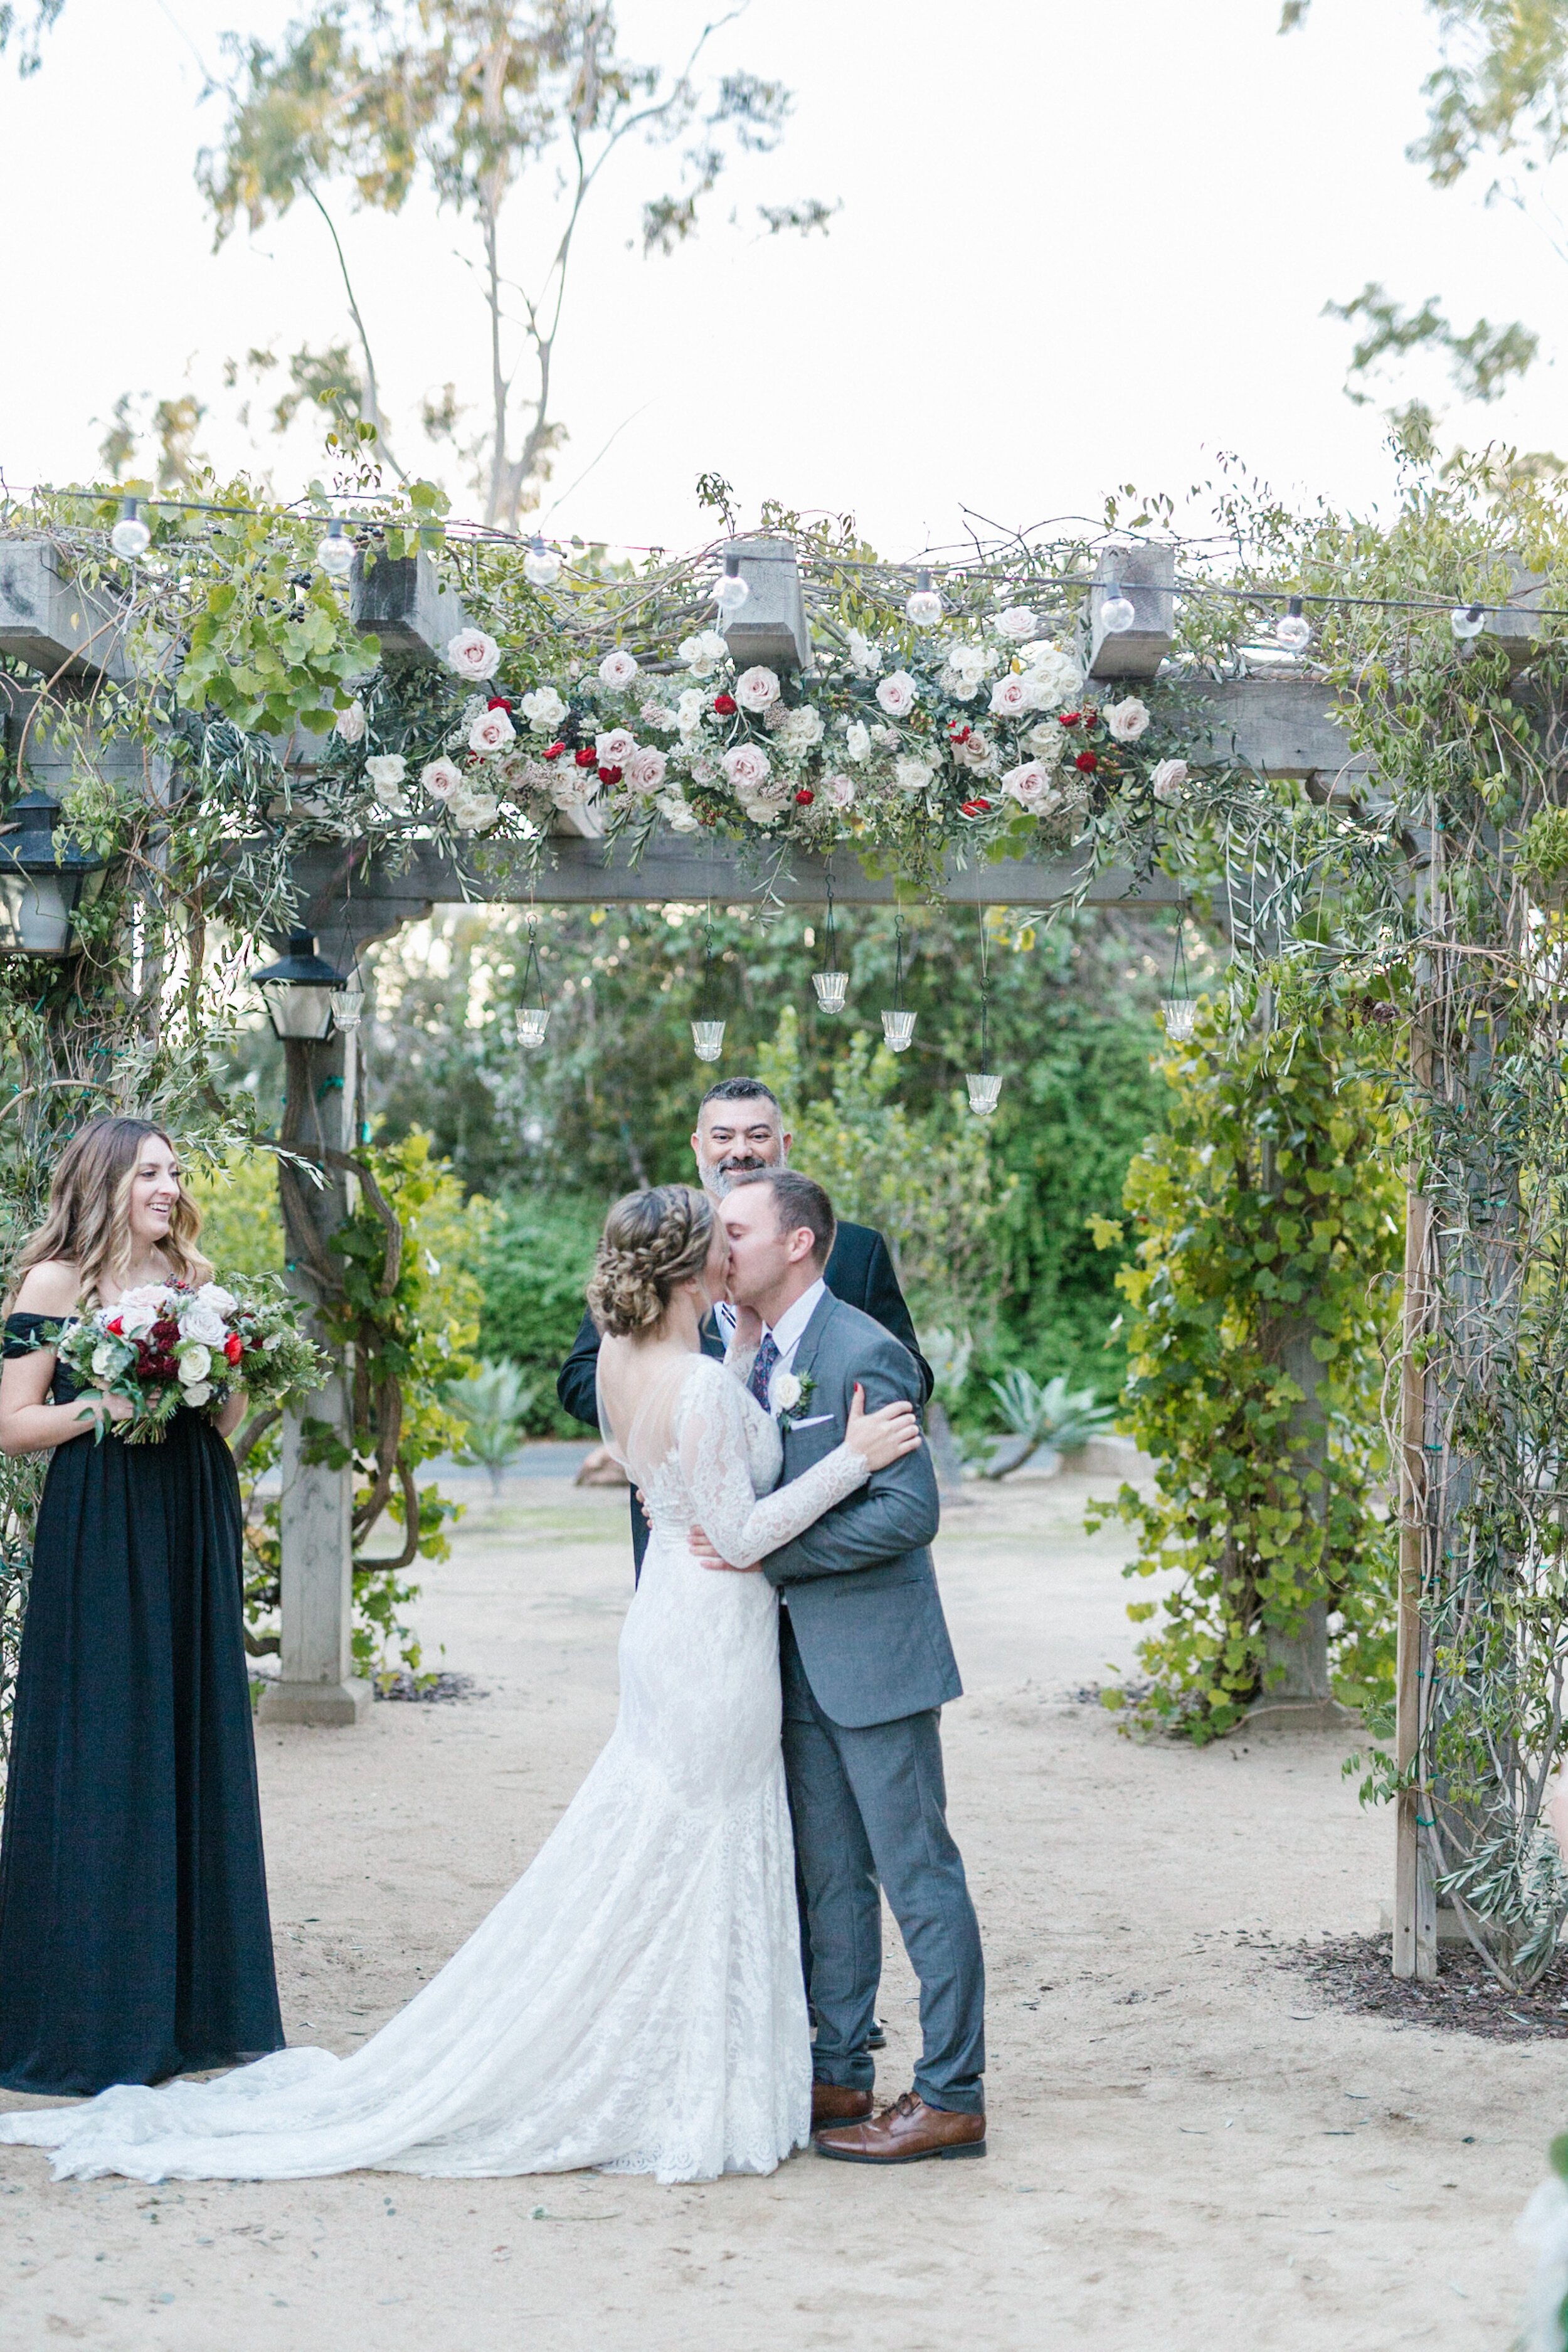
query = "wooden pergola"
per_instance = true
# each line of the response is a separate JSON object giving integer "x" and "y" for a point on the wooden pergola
{"x": 1278, "y": 726}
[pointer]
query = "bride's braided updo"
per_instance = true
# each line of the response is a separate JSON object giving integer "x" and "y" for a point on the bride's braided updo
{"x": 652, "y": 1243}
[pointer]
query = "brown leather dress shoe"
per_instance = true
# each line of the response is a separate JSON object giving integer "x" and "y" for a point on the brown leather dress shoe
{"x": 834, "y": 2103}
{"x": 903, "y": 2134}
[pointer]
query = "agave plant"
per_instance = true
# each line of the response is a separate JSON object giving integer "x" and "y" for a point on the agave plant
{"x": 491, "y": 1404}
{"x": 1036, "y": 1416}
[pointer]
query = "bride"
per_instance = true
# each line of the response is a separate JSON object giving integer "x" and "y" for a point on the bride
{"x": 636, "y": 2001}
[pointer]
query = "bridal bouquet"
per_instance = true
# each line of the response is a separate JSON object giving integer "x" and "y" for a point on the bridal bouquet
{"x": 167, "y": 1344}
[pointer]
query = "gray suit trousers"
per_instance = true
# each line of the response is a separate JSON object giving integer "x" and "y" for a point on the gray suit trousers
{"x": 869, "y": 1804}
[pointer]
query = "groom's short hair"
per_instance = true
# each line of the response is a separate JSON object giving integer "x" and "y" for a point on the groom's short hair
{"x": 799, "y": 1200}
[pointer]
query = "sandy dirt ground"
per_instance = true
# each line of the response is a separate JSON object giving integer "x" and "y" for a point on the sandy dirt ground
{"x": 1188, "y": 2147}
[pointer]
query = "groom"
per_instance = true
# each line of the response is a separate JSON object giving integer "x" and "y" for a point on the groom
{"x": 867, "y": 1668}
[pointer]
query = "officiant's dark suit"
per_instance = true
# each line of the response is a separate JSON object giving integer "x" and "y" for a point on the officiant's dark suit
{"x": 860, "y": 1272}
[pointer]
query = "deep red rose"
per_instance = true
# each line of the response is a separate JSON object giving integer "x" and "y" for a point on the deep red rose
{"x": 1070, "y": 717}
{"x": 975, "y": 808}
{"x": 586, "y": 756}
{"x": 1087, "y": 762}
{"x": 114, "y": 1325}
{"x": 725, "y": 705}
{"x": 234, "y": 1346}
{"x": 499, "y": 702}
{"x": 610, "y": 775}
{"x": 805, "y": 797}
{"x": 554, "y": 750}
{"x": 957, "y": 734}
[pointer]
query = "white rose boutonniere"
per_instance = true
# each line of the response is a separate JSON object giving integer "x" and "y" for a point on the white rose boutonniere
{"x": 791, "y": 1393}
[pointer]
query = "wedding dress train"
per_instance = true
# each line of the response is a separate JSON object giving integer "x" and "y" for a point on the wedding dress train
{"x": 634, "y": 2002}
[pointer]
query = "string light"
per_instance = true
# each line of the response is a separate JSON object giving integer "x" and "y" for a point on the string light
{"x": 1467, "y": 621}
{"x": 541, "y": 565}
{"x": 731, "y": 591}
{"x": 130, "y": 537}
{"x": 335, "y": 553}
{"x": 1294, "y": 630}
{"x": 923, "y": 604}
{"x": 1117, "y": 610}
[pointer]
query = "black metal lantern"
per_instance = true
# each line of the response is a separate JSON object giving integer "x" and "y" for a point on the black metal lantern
{"x": 297, "y": 991}
{"x": 42, "y": 883}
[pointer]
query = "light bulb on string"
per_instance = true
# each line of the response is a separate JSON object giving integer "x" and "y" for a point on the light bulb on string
{"x": 335, "y": 551}
{"x": 1117, "y": 610}
{"x": 731, "y": 591}
{"x": 1467, "y": 621}
{"x": 541, "y": 565}
{"x": 130, "y": 537}
{"x": 923, "y": 603}
{"x": 1293, "y": 629}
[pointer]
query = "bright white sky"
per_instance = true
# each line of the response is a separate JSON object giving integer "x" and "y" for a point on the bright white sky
{"x": 1080, "y": 245}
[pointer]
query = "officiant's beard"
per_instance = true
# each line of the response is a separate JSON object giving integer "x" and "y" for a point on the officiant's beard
{"x": 718, "y": 1175}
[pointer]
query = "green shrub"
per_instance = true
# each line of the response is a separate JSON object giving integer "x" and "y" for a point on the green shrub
{"x": 534, "y": 1271}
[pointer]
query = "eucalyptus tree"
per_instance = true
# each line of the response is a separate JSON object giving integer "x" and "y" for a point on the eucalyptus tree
{"x": 504, "y": 114}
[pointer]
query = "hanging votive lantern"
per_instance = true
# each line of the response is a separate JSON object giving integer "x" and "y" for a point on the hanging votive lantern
{"x": 348, "y": 1005}
{"x": 832, "y": 988}
{"x": 985, "y": 1091}
{"x": 985, "y": 1086}
{"x": 532, "y": 1020}
{"x": 898, "y": 1029}
{"x": 1179, "y": 1014}
{"x": 708, "y": 1040}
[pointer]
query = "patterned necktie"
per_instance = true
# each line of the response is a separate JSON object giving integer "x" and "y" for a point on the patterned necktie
{"x": 762, "y": 1370}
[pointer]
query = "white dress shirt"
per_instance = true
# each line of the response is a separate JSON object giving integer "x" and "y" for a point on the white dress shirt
{"x": 788, "y": 1332}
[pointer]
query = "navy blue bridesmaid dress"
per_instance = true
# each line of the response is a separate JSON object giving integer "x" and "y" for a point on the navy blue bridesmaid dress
{"x": 134, "y": 1937}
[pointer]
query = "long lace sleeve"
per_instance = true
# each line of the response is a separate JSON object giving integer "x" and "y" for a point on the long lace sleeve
{"x": 715, "y": 1470}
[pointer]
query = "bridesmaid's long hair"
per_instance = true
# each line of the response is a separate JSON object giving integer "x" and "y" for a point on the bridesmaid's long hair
{"x": 89, "y": 1222}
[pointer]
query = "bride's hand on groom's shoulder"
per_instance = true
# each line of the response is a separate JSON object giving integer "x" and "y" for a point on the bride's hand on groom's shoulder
{"x": 702, "y": 1550}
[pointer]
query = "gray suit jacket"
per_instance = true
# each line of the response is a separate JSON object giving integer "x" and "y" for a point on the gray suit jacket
{"x": 859, "y": 1582}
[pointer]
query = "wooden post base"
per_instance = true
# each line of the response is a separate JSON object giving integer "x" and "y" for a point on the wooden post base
{"x": 331, "y": 1705}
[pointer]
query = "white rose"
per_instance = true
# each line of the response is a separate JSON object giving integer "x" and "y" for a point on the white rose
{"x": 1030, "y": 785}
{"x": 858, "y": 741}
{"x": 574, "y": 787}
{"x": 543, "y": 709}
{"x": 196, "y": 1392}
{"x": 442, "y": 779}
{"x": 1167, "y": 781}
{"x": 865, "y": 658}
{"x": 840, "y": 790}
{"x": 969, "y": 664}
{"x": 618, "y": 669}
{"x": 644, "y": 769}
{"x": 703, "y": 772}
{"x": 394, "y": 802}
{"x": 614, "y": 747}
{"x": 784, "y": 1392}
{"x": 1017, "y": 623}
{"x": 659, "y": 715}
{"x": 898, "y": 694}
{"x": 103, "y": 1358}
{"x": 703, "y": 654}
{"x": 349, "y": 723}
{"x": 677, "y": 815}
{"x": 885, "y": 736}
{"x": 491, "y": 732}
{"x": 471, "y": 812}
{"x": 1012, "y": 696}
{"x": 194, "y": 1364}
{"x": 201, "y": 1323}
{"x": 974, "y": 751}
{"x": 388, "y": 768}
{"x": 473, "y": 655}
{"x": 690, "y": 710}
{"x": 1126, "y": 719}
{"x": 1047, "y": 741}
{"x": 763, "y": 813}
{"x": 1054, "y": 673}
{"x": 756, "y": 688}
{"x": 214, "y": 1295}
{"x": 802, "y": 729}
{"x": 910, "y": 775}
{"x": 748, "y": 768}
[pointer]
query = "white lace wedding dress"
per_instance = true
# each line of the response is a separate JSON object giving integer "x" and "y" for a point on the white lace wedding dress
{"x": 634, "y": 2002}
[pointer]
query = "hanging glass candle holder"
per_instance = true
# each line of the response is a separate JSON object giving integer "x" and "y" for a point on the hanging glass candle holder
{"x": 708, "y": 1040}
{"x": 897, "y": 1024}
{"x": 1179, "y": 1014}
{"x": 832, "y": 988}
{"x": 985, "y": 1086}
{"x": 532, "y": 1020}
{"x": 985, "y": 1091}
{"x": 348, "y": 1005}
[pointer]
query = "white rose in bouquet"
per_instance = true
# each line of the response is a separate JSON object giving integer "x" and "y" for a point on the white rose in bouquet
{"x": 473, "y": 655}
{"x": 140, "y": 1308}
{"x": 690, "y": 710}
{"x": 1126, "y": 720}
{"x": 858, "y": 740}
{"x": 1032, "y": 787}
{"x": 898, "y": 694}
{"x": 350, "y": 724}
{"x": 676, "y": 813}
{"x": 967, "y": 667}
{"x": 103, "y": 1358}
{"x": 202, "y": 1324}
{"x": 574, "y": 787}
{"x": 659, "y": 715}
{"x": 802, "y": 729}
{"x": 974, "y": 752}
{"x": 748, "y": 768}
{"x": 442, "y": 779}
{"x": 1055, "y": 675}
{"x": 756, "y": 688}
{"x": 614, "y": 747}
{"x": 910, "y": 775}
{"x": 194, "y": 1364}
{"x": 385, "y": 773}
{"x": 646, "y": 769}
{"x": 1012, "y": 696}
{"x": 492, "y": 731}
{"x": 865, "y": 658}
{"x": 214, "y": 1295}
{"x": 1168, "y": 782}
{"x": 618, "y": 669}
{"x": 1016, "y": 622}
{"x": 703, "y": 653}
{"x": 840, "y": 791}
{"x": 196, "y": 1392}
{"x": 543, "y": 709}
{"x": 1048, "y": 741}
{"x": 471, "y": 812}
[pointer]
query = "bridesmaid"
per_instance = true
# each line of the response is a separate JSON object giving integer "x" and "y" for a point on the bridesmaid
{"x": 134, "y": 1937}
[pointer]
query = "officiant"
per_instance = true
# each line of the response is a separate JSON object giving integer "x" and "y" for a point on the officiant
{"x": 740, "y": 1126}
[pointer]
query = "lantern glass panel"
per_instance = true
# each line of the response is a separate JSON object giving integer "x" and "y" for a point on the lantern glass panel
{"x": 35, "y": 913}
{"x": 305, "y": 1013}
